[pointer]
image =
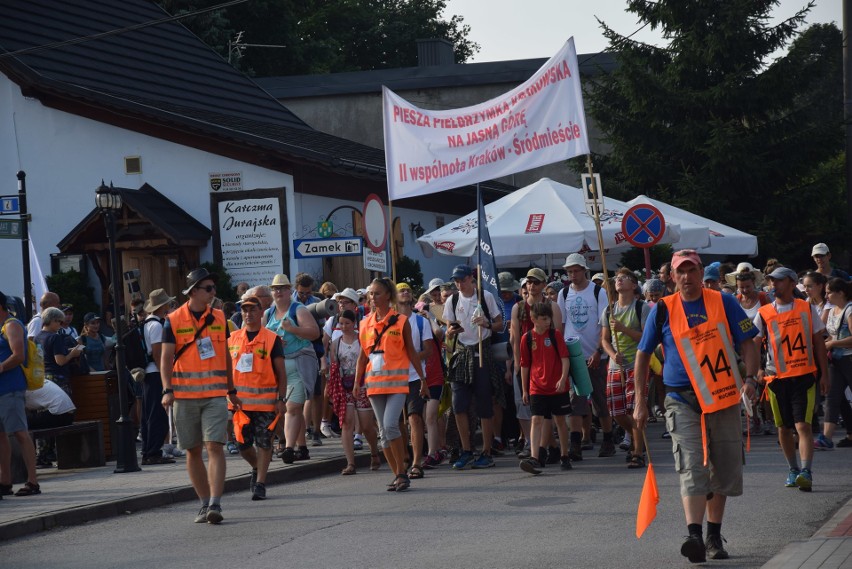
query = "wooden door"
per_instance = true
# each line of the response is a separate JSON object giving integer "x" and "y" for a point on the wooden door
{"x": 156, "y": 270}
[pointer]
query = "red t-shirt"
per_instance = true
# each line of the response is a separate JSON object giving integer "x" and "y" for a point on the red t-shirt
{"x": 545, "y": 362}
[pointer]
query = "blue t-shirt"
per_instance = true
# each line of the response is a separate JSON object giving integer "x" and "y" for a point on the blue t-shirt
{"x": 11, "y": 379}
{"x": 674, "y": 374}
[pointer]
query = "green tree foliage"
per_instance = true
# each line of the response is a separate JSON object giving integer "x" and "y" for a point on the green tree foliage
{"x": 325, "y": 36}
{"x": 73, "y": 288}
{"x": 710, "y": 124}
{"x": 224, "y": 287}
{"x": 408, "y": 271}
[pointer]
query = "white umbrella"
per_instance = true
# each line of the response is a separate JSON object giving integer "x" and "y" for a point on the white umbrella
{"x": 724, "y": 240}
{"x": 548, "y": 218}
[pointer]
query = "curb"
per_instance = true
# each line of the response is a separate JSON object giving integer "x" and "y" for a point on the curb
{"x": 168, "y": 496}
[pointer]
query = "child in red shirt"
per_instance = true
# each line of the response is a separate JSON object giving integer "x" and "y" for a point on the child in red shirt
{"x": 544, "y": 381}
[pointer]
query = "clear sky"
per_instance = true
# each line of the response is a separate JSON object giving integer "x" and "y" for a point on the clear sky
{"x": 512, "y": 29}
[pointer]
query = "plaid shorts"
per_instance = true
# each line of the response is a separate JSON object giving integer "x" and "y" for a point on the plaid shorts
{"x": 257, "y": 431}
{"x": 620, "y": 397}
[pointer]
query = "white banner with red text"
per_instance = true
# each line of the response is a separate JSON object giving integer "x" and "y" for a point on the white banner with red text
{"x": 539, "y": 122}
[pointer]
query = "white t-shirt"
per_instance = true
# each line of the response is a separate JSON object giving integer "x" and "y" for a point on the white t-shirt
{"x": 417, "y": 341}
{"x": 34, "y": 327}
{"x": 464, "y": 314}
{"x": 581, "y": 315}
{"x": 153, "y": 335}
{"x": 50, "y": 397}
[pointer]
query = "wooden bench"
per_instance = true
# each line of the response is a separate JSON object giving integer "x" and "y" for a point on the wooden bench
{"x": 78, "y": 445}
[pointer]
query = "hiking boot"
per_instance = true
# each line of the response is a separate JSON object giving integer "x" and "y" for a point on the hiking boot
{"x": 214, "y": 514}
{"x": 302, "y": 454}
{"x": 575, "y": 452}
{"x": 201, "y": 516}
{"x": 465, "y": 458}
{"x": 693, "y": 549}
{"x": 530, "y": 465}
{"x": 804, "y": 480}
{"x": 484, "y": 461}
{"x": 565, "y": 463}
{"x": 288, "y": 455}
{"x": 259, "y": 492}
{"x": 607, "y": 449}
{"x": 715, "y": 548}
{"x": 791, "y": 478}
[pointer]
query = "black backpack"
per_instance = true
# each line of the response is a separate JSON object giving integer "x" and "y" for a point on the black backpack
{"x": 455, "y": 300}
{"x": 135, "y": 349}
{"x": 552, "y": 333}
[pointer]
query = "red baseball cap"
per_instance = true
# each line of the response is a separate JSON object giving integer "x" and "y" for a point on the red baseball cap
{"x": 685, "y": 256}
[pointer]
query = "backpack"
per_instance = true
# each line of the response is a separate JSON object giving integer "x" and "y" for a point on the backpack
{"x": 33, "y": 366}
{"x": 455, "y": 300}
{"x": 637, "y": 308}
{"x": 597, "y": 290}
{"x": 135, "y": 350}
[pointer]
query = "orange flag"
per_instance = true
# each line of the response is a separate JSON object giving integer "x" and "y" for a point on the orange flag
{"x": 647, "y": 502}
{"x": 240, "y": 421}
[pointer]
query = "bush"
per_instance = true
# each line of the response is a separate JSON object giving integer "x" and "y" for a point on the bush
{"x": 73, "y": 288}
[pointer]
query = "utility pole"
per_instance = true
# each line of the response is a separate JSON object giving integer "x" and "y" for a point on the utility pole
{"x": 847, "y": 110}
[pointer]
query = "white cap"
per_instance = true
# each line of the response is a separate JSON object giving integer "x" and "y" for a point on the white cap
{"x": 575, "y": 259}
{"x": 820, "y": 249}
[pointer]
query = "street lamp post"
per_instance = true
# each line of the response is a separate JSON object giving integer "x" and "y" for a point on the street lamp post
{"x": 108, "y": 201}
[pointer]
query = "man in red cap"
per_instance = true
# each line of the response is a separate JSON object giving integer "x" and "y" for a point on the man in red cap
{"x": 700, "y": 329}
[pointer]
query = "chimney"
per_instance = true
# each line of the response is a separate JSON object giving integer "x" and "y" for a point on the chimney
{"x": 435, "y": 51}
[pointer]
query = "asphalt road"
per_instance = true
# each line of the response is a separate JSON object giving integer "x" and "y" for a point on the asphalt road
{"x": 501, "y": 517}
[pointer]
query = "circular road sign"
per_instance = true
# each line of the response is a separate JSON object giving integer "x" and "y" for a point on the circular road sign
{"x": 643, "y": 225}
{"x": 375, "y": 224}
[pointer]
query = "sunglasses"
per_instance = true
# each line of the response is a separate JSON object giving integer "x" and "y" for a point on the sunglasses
{"x": 533, "y": 281}
{"x": 208, "y": 288}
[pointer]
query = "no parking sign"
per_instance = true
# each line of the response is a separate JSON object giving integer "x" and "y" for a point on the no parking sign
{"x": 643, "y": 225}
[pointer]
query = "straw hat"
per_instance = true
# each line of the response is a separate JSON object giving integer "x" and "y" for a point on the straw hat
{"x": 731, "y": 278}
{"x": 281, "y": 280}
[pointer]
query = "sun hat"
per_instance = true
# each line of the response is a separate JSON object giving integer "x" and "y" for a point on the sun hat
{"x": 575, "y": 259}
{"x": 507, "y": 281}
{"x": 156, "y": 299}
{"x": 281, "y": 280}
{"x": 731, "y": 278}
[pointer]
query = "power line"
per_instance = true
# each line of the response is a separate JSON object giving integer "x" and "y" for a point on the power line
{"x": 132, "y": 28}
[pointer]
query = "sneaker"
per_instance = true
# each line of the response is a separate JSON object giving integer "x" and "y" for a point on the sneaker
{"x": 259, "y": 492}
{"x": 756, "y": 428}
{"x": 497, "y": 447}
{"x": 769, "y": 428}
{"x": 565, "y": 463}
{"x": 607, "y": 449}
{"x": 715, "y": 548}
{"x": 845, "y": 442}
{"x": 553, "y": 455}
{"x": 464, "y": 459}
{"x": 358, "y": 443}
{"x": 484, "y": 461}
{"x": 214, "y": 514}
{"x": 232, "y": 447}
{"x": 302, "y": 454}
{"x": 288, "y": 455}
{"x": 444, "y": 453}
{"x": 575, "y": 452}
{"x": 431, "y": 461}
{"x": 804, "y": 480}
{"x": 666, "y": 435}
{"x": 530, "y": 465}
{"x": 253, "y": 481}
{"x": 525, "y": 452}
{"x": 201, "y": 516}
{"x": 821, "y": 442}
{"x": 588, "y": 445}
{"x": 325, "y": 429}
{"x": 693, "y": 549}
{"x": 791, "y": 478}
{"x": 625, "y": 444}
{"x": 316, "y": 442}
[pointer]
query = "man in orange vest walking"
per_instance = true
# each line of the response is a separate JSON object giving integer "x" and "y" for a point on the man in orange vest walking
{"x": 196, "y": 373}
{"x": 257, "y": 358}
{"x": 699, "y": 329}
{"x": 796, "y": 357}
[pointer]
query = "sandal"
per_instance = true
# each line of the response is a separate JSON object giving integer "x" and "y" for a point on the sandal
{"x": 28, "y": 489}
{"x": 415, "y": 472}
{"x": 392, "y": 485}
{"x": 636, "y": 461}
{"x": 375, "y": 462}
{"x": 403, "y": 483}
{"x": 350, "y": 469}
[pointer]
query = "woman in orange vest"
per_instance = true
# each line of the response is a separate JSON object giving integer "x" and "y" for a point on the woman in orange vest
{"x": 387, "y": 351}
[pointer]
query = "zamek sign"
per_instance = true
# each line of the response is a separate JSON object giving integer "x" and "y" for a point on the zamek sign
{"x": 249, "y": 234}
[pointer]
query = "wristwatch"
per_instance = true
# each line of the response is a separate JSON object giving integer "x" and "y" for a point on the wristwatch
{"x": 168, "y": 391}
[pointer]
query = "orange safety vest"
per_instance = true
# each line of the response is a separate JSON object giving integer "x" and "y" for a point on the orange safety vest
{"x": 707, "y": 352}
{"x": 194, "y": 378}
{"x": 258, "y": 388}
{"x": 393, "y": 375}
{"x": 790, "y": 338}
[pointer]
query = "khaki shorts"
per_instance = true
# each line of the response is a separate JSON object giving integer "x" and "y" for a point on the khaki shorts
{"x": 199, "y": 421}
{"x": 725, "y": 455}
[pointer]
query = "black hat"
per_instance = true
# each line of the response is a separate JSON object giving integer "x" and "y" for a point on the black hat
{"x": 195, "y": 277}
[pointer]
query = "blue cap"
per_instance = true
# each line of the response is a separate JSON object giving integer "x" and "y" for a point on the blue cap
{"x": 711, "y": 272}
{"x": 461, "y": 271}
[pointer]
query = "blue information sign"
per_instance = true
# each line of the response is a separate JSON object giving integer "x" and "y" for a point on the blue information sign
{"x": 10, "y": 205}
